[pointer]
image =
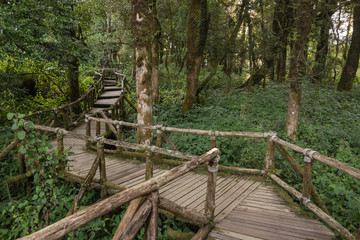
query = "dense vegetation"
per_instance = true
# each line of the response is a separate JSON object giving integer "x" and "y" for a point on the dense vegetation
{"x": 212, "y": 65}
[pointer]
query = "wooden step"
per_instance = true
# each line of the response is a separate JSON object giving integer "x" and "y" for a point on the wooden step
{"x": 105, "y": 103}
{"x": 110, "y": 94}
{"x": 112, "y": 88}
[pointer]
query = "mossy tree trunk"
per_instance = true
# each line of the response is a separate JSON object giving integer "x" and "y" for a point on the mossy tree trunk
{"x": 156, "y": 34}
{"x": 141, "y": 20}
{"x": 198, "y": 25}
{"x": 352, "y": 61}
{"x": 297, "y": 59}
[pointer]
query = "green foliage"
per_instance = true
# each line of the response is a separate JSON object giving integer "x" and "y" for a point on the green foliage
{"x": 25, "y": 215}
{"x": 331, "y": 128}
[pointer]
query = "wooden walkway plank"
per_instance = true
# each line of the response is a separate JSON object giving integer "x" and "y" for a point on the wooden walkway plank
{"x": 184, "y": 186}
{"x": 188, "y": 189}
{"x": 304, "y": 228}
{"x": 175, "y": 185}
{"x": 200, "y": 196}
{"x": 228, "y": 235}
{"x": 221, "y": 212}
{"x": 245, "y": 208}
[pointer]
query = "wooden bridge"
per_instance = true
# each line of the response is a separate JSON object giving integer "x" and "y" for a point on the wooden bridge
{"x": 234, "y": 203}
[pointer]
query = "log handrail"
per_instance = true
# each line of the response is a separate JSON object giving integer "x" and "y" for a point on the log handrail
{"x": 352, "y": 171}
{"x": 80, "y": 218}
{"x": 82, "y": 97}
{"x": 181, "y": 130}
{"x": 272, "y": 139}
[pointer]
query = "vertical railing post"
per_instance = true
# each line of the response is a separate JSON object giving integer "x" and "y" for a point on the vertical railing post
{"x": 149, "y": 164}
{"x": 60, "y": 141}
{"x": 119, "y": 134}
{"x": 98, "y": 128}
{"x": 213, "y": 137}
{"x": 152, "y": 226}
{"x": 60, "y": 146}
{"x": 107, "y": 128}
{"x": 71, "y": 113}
{"x": 122, "y": 106}
{"x": 65, "y": 118}
{"x": 158, "y": 140}
{"x": 102, "y": 170}
{"x": 211, "y": 188}
{"x": 270, "y": 152}
{"x": 113, "y": 114}
{"x": 306, "y": 191}
{"x": 87, "y": 129}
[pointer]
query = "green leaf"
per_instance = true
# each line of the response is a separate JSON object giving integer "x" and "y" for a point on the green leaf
{"x": 22, "y": 150}
{"x": 21, "y": 135}
{"x": 21, "y": 115}
{"x": 15, "y": 126}
{"x": 10, "y": 116}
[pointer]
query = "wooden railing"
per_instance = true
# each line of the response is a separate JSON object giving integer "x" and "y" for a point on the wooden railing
{"x": 145, "y": 195}
{"x": 273, "y": 143}
{"x": 65, "y": 115}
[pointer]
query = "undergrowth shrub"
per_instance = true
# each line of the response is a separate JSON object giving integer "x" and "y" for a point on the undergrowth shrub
{"x": 329, "y": 123}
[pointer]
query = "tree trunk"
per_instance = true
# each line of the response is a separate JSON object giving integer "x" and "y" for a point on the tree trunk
{"x": 198, "y": 25}
{"x": 73, "y": 75}
{"x": 322, "y": 48}
{"x": 303, "y": 27}
{"x": 229, "y": 44}
{"x": 280, "y": 27}
{"x": 141, "y": 20}
{"x": 156, "y": 34}
{"x": 352, "y": 62}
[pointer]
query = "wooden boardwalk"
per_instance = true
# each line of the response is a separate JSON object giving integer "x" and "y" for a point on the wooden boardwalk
{"x": 245, "y": 208}
{"x": 109, "y": 96}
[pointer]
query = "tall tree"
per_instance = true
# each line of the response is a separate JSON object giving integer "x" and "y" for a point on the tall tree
{"x": 198, "y": 25}
{"x": 282, "y": 21}
{"x": 324, "y": 22}
{"x": 156, "y": 34}
{"x": 141, "y": 21}
{"x": 297, "y": 59}
{"x": 241, "y": 14}
{"x": 352, "y": 61}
